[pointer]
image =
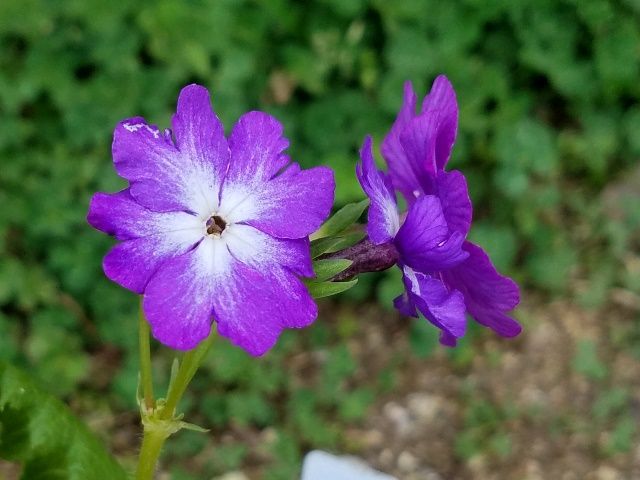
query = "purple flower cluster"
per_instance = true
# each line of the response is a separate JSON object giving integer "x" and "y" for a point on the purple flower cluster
{"x": 213, "y": 228}
{"x": 445, "y": 275}
{"x": 216, "y": 228}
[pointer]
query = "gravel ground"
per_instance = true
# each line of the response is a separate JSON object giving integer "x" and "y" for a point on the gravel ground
{"x": 552, "y": 435}
{"x": 544, "y": 423}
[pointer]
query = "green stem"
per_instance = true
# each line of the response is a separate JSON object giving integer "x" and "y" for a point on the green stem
{"x": 145, "y": 361}
{"x": 188, "y": 368}
{"x": 156, "y": 431}
{"x": 152, "y": 443}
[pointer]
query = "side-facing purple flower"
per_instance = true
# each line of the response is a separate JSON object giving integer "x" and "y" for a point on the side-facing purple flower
{"x": 213, "y": 228}
{"x": 425, "y": 244}
{"x": 444, "y": 274}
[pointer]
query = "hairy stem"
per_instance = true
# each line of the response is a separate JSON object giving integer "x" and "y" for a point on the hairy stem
{"x": 152, "y": 443}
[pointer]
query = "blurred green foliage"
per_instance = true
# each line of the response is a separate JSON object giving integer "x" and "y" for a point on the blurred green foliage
{"x": 41, "y": 433}
{"x": 548, "y": 93}
{"x": 485, "y": 430}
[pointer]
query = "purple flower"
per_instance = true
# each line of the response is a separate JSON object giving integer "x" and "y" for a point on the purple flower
{"x": 445, "y": 276}
{"x": 213, "y": 228}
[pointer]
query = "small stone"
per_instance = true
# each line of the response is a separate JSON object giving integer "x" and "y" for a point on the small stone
{"x": 373, "y": 438}
{"x": 386, "y": 457}
{"x": 399, "y": 416}
{"x": 232, "y": 476}
{"x": 324, "y": 466}
{"x": 424, "y": 474}
{"x": 424, "y": 406}
{"x": 407, "y": 462}
{"x": 608, "y": 473}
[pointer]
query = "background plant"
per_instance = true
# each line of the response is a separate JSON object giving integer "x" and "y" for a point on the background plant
{"x": 549, "y": 117}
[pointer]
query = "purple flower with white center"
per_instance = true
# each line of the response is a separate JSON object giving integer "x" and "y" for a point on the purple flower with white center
{"x": 213, "y": 228}
{"x": 445, "y": 275}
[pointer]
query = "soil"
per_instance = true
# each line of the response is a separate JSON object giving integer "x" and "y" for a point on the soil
{"x": 412, "y": 433}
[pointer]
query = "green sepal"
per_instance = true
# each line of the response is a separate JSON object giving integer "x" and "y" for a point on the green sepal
{"x": 153, "y": 421}
{"x": 326, "y": 289}
{"x": 341, "y": 220}
{"x": 193, "y": 427}
{"x": 333, "y": 244}
{"x": 329, "y": 267}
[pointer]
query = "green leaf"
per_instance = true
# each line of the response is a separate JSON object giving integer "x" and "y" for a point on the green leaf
{"x": 329, "y": 267}
{"x": 333, "y": 244}
{"x": 611, "y": 402}
{"x": 41, "y": 433}
{"x": 620, "y": 440}
{"x": 353, "y": 405}
{"x": 326, "y": 289}
{"x": 587, "y": 363}
{"x": 342, "y": 219}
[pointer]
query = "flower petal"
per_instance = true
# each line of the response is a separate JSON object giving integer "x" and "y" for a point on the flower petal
{"x": 424, "y": 240}
{"x": 401, "y": 170}
{"x": 418, "y": 140}
{"x": 132, "y": 263}
{"x": 200, "y": 136}
{"x": 383, "y": 220}
{"x": 448, "y": 339}
{"x": 257, "y": 249}
{"x": 419, "y": 146}
{"x": 178, "y": 300}
{"x": 441, "y": 102}
{"x": 253, "y": 306}
{"x": 488, "y": 295}
{"x": 454, "y": 197}
{"x": 405, "y": 306}
{"x": 445, "y": 309}
{"x": 149, "y": 238}
{"x": 250, "y": 306}
{"x": 165, "y": 178}
{"x": 118, "y": 214}
{"x": 292, "y": 205}
{"x": 256, "y": 144}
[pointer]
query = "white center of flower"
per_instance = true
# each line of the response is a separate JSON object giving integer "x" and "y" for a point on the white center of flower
{"x": 215, "y": 226}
